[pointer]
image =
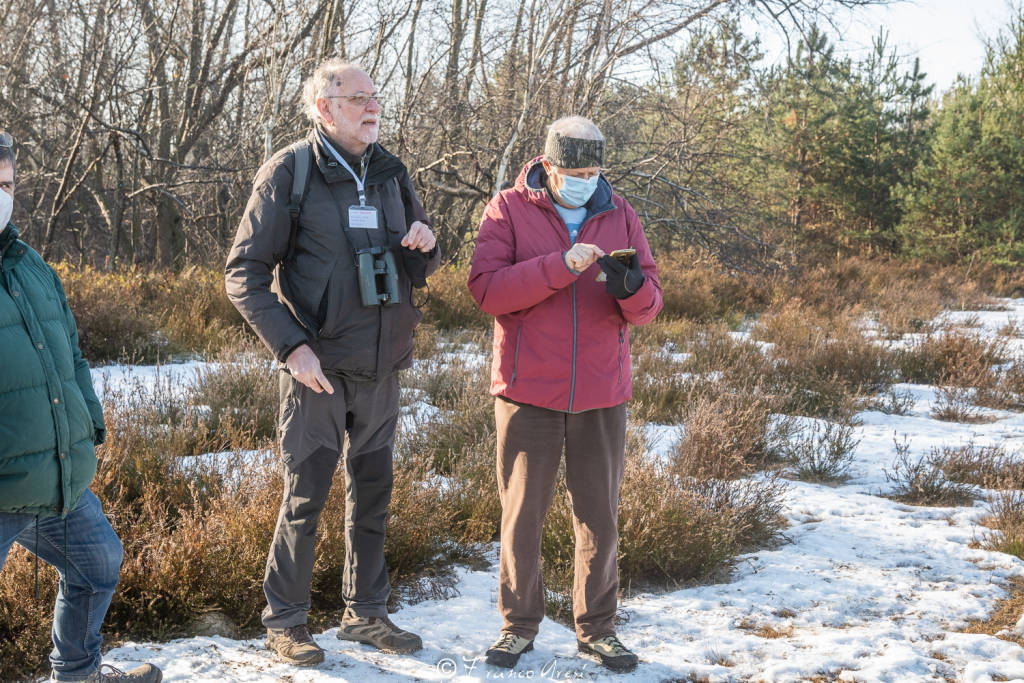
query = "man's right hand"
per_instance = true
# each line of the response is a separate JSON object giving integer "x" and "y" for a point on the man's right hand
{"x": 581, "y": 256}
{"x": 304, "y": 366}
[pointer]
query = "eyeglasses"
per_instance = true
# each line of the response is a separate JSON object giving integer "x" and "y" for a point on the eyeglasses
{"x": 358, "y": 100}
{"x": 6, "y": 140}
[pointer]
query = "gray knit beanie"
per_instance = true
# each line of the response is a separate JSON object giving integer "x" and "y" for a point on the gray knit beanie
{"x": 566, "y": 152}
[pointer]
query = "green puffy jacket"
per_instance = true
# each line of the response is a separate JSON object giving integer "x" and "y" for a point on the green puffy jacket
{"x": 50, "y": 417}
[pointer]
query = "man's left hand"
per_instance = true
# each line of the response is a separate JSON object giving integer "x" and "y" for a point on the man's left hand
{"x": 419, "y": 237}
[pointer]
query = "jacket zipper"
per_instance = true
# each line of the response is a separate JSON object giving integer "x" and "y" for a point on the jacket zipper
{"x": 572, "y": 387}
{"x": 515, "y": 359}
{"x": 622, "y": 339}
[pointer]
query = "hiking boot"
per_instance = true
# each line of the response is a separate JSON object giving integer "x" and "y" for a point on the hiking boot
{"x": 507, "y": 650}
{"x": 294, "y": 645}
{"x": 379, "y": 632}
{"x": 610, "y": 652}
{"x": 147, "y": 673}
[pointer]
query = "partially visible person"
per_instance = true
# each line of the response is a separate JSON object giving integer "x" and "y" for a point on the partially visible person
{"x": 50, "y": 422}
{"x": 561, "y": 376}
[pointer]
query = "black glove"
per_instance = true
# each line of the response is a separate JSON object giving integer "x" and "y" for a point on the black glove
{"x": 623, "y": 281}
{"x": 415, "y": 263}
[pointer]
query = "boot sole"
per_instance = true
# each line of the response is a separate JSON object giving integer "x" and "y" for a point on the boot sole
{"x": 490, "y": 658}
{"x": 617, "y": 668}
{"x": 386, "y": 650}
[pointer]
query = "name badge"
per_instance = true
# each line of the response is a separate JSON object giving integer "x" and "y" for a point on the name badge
{"x": 364, "y": 217}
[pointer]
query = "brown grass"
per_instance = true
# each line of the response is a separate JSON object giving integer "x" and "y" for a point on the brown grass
{"x": 1005, "y": 615}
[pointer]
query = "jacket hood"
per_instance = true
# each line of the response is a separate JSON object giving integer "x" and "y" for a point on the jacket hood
{"x": 383, "y": 165}
{"x": 532, "y": 183}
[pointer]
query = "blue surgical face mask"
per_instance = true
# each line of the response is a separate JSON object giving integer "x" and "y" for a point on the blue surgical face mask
{"x": 577, "y": 191}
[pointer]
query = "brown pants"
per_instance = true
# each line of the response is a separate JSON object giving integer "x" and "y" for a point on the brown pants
{"x": 530, "y": 441}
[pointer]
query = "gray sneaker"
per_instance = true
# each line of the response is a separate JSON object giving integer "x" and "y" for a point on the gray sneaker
{"x": 147, "y": 673}
{"x": 610, "y": 651}
{"x": 379, "y": 632}
{"x": 295, "y": 645}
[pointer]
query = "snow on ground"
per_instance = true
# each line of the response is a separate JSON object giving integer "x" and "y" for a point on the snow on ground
{"x": 864, "y": 589}
{"x": 125, "y": 377}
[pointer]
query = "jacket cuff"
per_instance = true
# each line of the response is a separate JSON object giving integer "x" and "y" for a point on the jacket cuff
{"x": 287, "y": 351}
{"x": 638, "y": 300}
{"x": 576, "y": 273}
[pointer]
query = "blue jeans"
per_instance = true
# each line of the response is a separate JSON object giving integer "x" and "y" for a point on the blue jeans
{"x": 93, "y": 556}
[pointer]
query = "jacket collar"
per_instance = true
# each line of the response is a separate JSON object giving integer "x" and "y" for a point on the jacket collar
{"x": 383, "y": 165}
{"x": 533, "y": 183}
{"x": 8, "y": 236}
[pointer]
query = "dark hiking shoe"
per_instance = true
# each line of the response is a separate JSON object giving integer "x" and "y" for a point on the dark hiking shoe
{"x": 507, "y": 650}
{"x": 379, "y": 632}
{"x": 294, "y": 645}
{"x": 147, "y": 673}
{"x": 610, "y": 652}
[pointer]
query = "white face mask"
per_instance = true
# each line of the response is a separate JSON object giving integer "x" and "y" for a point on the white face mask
{"x": 6, "y": 208}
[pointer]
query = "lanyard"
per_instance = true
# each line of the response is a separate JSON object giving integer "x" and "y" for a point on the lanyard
{"x": 360, "y": 182}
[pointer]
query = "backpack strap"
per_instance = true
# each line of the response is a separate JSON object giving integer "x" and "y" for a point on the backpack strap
{"x": 300, "y": 181}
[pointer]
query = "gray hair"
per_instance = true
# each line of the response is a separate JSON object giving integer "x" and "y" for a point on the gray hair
{"x": 574, "y": 142}
{"x": 315, "y": 87}
{"x": 7, "y": 150}
{"x": 575, "y": 127}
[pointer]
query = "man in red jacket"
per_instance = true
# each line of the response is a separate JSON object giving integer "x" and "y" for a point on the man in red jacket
{"x": 561, "y": 375}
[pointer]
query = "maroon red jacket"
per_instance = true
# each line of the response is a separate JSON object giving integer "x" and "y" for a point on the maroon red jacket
{"x": 560, "y": 340}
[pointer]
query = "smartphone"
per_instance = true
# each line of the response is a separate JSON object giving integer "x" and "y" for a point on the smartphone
{"x": 624, "y": 256}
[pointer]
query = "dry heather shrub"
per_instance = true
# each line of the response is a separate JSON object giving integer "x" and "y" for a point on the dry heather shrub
{"x": 458, "y": 442}
{"x": 1004, "y": 388}
{"x": 824, "y": 453}
{"x": 115, "y": 312}
{"x": 822, "y": 365}
{"x": 952, "y": 355}
{"x": 1006, "y": 519}
{"x": 240, "y": 389}
{"x": 663, "y": 333}
{"x": 450, "y": 305}
{"x": 892, "y": 401}
{"x": 195, "y": 313}
{"x": 661, "y": 390}
{"x": 905, "y": 306}
{"x": 24, "y": 620}
{"x": 955, "y": 403}
{"x": 144, "y": 315}
{"x": 923, "y": 481}
{"x": 716, "y": 355}
{"x": 989, "y": 467}
{"x": 729, "y": 435}
{"x": 696, "y": 288}
{"x": 671, "y": 529}
{"x": 900, "y": 291}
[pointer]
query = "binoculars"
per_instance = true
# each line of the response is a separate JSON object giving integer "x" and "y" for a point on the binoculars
{"x": 378, "y": 277}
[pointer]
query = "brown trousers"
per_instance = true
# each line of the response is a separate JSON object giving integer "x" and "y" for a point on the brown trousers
{"x": 530, "y": 441}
